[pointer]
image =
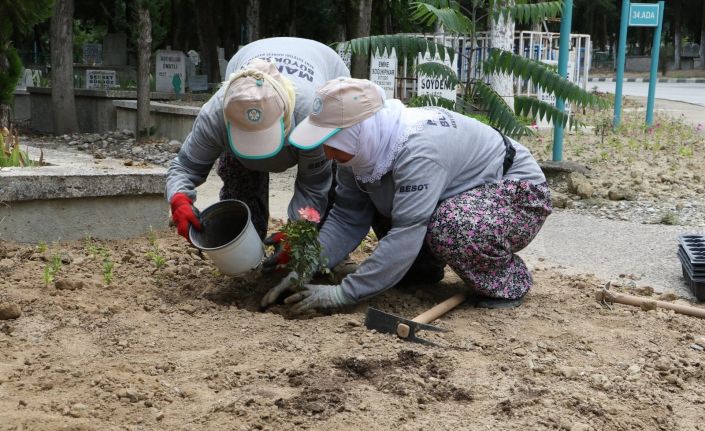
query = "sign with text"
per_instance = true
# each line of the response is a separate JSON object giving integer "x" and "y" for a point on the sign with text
{"x": 383, "y": 71}
{"x": 643, "y": 14}
{"x": 436, "y": 86}
{"x": 346, "y": 55}
{"x": 101, "y": 79}
{"x": 168, "y": 64}
{"x": 92, "y": 53}
{"x": 198, "y": 82}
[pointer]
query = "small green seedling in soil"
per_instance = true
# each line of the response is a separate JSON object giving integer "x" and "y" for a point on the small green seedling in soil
{"x": 669, "y": 218}
{"x": 91, "y": 248}
{"x": 51, "y": 269}
{"x": 108, "y": 265}
{"x": 152, "y": 237}
{"x": 42, "y": 247}
{"x": 155, "y": 253}
{"x": 157, "y": 258}
{"x": 108, "y": 271}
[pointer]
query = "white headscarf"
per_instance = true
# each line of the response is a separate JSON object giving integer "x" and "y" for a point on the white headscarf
{"x": 372, "y": 142}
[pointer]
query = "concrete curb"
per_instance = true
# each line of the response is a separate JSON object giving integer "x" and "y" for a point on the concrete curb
{"x": 666, "y": 80}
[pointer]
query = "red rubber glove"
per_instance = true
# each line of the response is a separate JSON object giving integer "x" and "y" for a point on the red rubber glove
{"x": 280, "y": 256}
{"x": 183, "y": 215}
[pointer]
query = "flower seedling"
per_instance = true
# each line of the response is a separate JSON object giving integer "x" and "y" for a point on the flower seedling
{"x": 301, "y": 243}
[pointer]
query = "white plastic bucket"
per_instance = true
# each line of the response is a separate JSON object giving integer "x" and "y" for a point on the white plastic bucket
{"x": 228, "y": 237}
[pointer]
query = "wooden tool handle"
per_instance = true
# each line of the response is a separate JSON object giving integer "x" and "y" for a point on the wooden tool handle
{"x": 639, "y": 302}
{"x": 441, "y": 309}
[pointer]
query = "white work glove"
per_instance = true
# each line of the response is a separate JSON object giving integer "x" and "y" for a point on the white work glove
{"x": 287, "y": 283}
{"x": 318, "y": 296}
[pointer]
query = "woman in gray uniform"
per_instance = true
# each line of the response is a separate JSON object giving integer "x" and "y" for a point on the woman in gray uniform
{"x": 270, "y": 87}
{"x": 473, "y": 196}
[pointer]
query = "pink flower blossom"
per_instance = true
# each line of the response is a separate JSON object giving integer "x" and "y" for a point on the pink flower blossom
{"x": 310, "y": 214}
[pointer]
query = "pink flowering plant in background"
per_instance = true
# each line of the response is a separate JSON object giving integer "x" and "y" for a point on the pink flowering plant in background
{"x": 301, "y": 243}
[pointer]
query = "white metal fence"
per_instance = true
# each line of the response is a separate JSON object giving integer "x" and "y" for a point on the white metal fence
{"x": 540, "y": 46}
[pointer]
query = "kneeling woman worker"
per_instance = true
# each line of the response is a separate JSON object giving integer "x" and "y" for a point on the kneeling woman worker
{"x": 474, "y": 196}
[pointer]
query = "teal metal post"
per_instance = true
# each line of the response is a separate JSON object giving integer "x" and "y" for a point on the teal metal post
{"x": 621, "y": 54}
{"x": 563, "y": 54}
{"x": 655, "y": 46}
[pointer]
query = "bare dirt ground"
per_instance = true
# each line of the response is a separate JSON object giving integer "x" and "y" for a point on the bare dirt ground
{"x": 170, "y": 344}
{"x": 183, "y": 348}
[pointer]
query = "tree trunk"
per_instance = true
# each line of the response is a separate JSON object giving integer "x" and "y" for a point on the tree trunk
{"x": 292, "y": 18}
{"x": 358, "y": 25}
{"x": 253, "y": 25}
{"x": 5, "y": 114}
{"x": 677, "y": 36}
{"x": 144, "y": 52}
{"x": 502, "y": 37}
{"x": 62, "y": 98}
{"x": 230, "y": 31}
{"x": 702, "y": 39}
{"x": 208, "y": 39}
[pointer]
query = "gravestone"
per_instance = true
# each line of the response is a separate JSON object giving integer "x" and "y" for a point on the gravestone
{"x": 436, "y": 86}
{"x": 192, "y": 60}
{"x": 101, "y": 79}
{"x": 167, "y": 64}
{"x": 198, "y": 82}
{"x": 222, "y": 63}
{"x": 115, "y": 49}
{"x": 25, "y": 80}
{"x": 383, "y": 71}
{"x": 345, "y": 54}
{"x": 92, "y": 53}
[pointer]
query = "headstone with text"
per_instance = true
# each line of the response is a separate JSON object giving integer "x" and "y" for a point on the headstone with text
{"x": 92, "y": 53}
{"x": 168, "y": 64}
{"x": 198, "y": 82}
{"x": 101, "y": 79}
{"x": 436, "y": 86}
{"x": 345, "y": 54}
{"x": 383, "y": 71}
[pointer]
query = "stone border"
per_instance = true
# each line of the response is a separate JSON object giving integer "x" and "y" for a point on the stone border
{"x": 169, "y": 120}
{"x": 76, "y": 175}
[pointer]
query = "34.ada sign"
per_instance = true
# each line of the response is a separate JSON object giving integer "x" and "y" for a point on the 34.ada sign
{"x": 643, "y": 14}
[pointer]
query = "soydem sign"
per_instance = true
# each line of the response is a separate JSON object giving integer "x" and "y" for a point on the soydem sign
{"x": 643, "y": 15}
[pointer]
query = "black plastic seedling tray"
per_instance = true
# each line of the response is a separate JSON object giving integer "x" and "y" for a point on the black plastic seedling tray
{"x": 697, "y": 285}
{"x": 698, "y": 270}
{"x": 691, "y": 253}
{"x": 694, "y": 246}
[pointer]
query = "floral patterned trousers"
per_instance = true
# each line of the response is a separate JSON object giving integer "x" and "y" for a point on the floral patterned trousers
{"x": 478, "y": 232}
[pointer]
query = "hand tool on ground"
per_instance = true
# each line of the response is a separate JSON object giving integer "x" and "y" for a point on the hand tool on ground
{"x": 606, "y": 297}
{"x": 407, "y": 329}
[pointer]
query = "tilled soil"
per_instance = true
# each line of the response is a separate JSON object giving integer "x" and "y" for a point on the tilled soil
{"x": 185, "y": 348}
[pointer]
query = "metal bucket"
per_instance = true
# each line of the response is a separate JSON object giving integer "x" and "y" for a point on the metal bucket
{"x": 228, "y": 237}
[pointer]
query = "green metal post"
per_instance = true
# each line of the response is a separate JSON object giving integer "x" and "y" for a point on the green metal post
{"x": 563, "y": 54}
{"x": 655, "y": 46}
{"x": 621, "y": 55}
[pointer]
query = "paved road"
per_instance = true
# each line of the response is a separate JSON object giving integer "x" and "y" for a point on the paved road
{"x": 680, "y": 92}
